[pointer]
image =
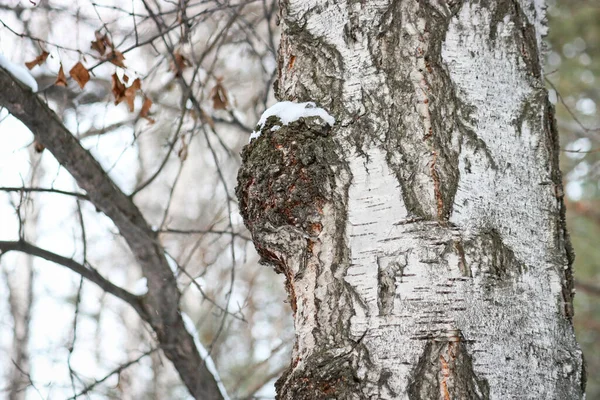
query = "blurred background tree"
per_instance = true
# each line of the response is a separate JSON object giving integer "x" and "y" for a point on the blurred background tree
{"x": 208, "y": 67}
{"x": 573, "y": 76}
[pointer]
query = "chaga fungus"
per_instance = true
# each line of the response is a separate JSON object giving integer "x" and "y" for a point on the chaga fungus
{"x": 287, "y": 177}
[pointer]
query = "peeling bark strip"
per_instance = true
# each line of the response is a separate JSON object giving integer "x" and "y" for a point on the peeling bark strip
{"x": 161, "y": 303}
{"x": 441, "y": 268}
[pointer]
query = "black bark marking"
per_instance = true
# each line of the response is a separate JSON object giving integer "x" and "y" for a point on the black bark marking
{"x": 324, "y": 377}
{"x": 311, "y": 54}
{"x": 525, "y": 37}
{"x": 500, "y": 261}
{"x": 406, "y": 146}
{"x": 445, "y": 371}
{"x": 563, "y": 240}
{"x": 386, "y": 282}
{"x": 464, "y": 267}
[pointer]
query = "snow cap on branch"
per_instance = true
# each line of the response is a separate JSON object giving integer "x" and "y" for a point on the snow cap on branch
{"x": 204, "y": 354}
{"x": 289, "y": 112}
{"x": 19, "y": 72}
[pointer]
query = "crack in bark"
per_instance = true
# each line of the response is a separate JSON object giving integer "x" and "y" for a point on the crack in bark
{"x": 445, "y": 371}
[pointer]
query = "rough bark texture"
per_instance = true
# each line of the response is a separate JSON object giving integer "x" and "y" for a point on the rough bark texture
{"x": 160, "y": 306}
{"x": 423, "y": 236}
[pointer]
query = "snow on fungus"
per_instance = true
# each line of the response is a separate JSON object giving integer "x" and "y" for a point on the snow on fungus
{"x": 19, "y": 72}
{"x": 289, "y": 112}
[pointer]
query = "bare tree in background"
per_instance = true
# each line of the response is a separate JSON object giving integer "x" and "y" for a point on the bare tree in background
{"x": 146, "y": 105}
{"x": 422, "y": 236}
{"x": 19, "y": 280}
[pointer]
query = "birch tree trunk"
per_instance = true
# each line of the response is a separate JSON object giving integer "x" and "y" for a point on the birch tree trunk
{"x": 423, "y": 236}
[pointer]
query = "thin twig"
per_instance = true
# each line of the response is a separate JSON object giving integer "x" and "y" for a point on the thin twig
{"x": 117, "y": 370}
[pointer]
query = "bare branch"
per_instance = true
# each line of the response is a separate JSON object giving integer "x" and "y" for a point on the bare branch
{"x": 116, "y": 371}
{"x": 571, "y": 113}
{"x": 89, "y": 273}
{"x": 161, "y": 303}
{"x": 43, "y": 190}
{"x": 587, "y": 288}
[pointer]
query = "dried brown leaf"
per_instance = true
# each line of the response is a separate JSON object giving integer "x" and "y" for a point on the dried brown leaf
{"x": 130, "y": 93}
{"x": 183, "y": 152}
{"x": 61, "y": 79}
{"x": 117, "y": 58}
{"x": 39, "y": 60}
{"x": 101, "y": 43}
{"x": 98, "y": 46}
{"x": 80, "y": 74}
{"x": 218, "y": 94}
{"x": 207, "y": 119}
{"x": 118, "y": 89}
{"x": 179, "y": 64}
{"x": 145, "y": 109}
{"x": 137, "y": 84}
{"x": 124, "y": 93}
{"x": 103, "y": 37}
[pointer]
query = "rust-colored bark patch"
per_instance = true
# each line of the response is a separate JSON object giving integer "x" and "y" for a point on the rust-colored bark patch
{"x": 292, "y": 61}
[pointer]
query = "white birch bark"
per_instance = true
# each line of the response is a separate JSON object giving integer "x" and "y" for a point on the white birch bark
{"x": 423, "y": 236}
